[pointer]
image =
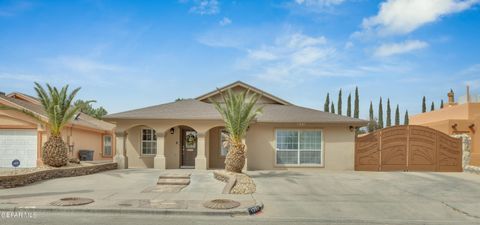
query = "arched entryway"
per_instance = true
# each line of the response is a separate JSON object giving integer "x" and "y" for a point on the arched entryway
{"x": 181, "y": 147}
{"x": 217, "y": 151}
{"x": 141, "y": 146}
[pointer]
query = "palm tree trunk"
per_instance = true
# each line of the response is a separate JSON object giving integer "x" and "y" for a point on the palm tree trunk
{"x": 235, "y": 159}
{"x": 55, "y": 152}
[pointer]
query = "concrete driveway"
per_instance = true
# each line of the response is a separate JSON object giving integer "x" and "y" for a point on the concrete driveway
{"x": 319, "y": 197}
{"x": 391, "y": 197}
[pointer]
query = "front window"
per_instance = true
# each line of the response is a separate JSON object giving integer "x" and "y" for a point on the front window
{"x": 299, "y": 147}
{"x": 107, "y": 145}
{"x": 223, "y": 142}
{"x": 149, "y": 142}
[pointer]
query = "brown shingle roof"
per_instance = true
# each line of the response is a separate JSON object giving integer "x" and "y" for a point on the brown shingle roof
{"x": 198, "y": 110}
{"x": 83, "y": 120}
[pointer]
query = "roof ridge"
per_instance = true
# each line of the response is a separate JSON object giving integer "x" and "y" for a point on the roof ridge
{"x": 238, "y": 82}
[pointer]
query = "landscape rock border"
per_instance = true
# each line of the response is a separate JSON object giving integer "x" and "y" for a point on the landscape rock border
{"x": 11, "y": 181}
{"x": 236, "y": 183}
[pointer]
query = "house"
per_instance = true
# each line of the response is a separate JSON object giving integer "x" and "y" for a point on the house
{"x": 21, "y": 136}
{"x": 461, "y": 117}
{"x": 189, "y": 134}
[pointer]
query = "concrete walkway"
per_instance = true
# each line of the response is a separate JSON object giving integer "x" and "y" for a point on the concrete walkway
{"x": 132, "y": 190}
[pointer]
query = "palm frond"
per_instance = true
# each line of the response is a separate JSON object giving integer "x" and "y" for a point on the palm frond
{"x": 238, "y": 111}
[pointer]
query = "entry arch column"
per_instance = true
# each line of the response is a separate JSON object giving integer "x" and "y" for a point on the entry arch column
{"x": 159, "y": 162}
{"x": 120, "y": 150}
{"x": 201, "y": 159}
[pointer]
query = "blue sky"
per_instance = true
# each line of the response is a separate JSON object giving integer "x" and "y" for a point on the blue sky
{"x": 130, "y": 54}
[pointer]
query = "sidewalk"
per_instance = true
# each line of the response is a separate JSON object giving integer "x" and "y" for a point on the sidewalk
{"x": 125, "y": 191}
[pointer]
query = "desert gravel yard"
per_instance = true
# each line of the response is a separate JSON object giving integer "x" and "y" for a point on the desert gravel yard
{"x": 392, "y": 197}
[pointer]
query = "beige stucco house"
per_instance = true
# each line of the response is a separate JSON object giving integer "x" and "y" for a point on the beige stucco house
{"x": 189, "y": 134}
{"x": 21, "y": 136}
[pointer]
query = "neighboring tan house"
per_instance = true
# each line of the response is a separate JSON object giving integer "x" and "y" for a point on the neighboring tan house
{"x": 189, "y": 134}
{"x": 21, "y": 136}
{"x": 456, "y": 118}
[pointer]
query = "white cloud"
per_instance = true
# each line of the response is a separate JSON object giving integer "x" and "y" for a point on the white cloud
{"x": 291, "y": 57}
{"x": 349, "y": 45}
{"x": 205, "y": 7}
{"x": 405, "y": 16}
{"x": 399, "y": 48}
{"x": 225, "y": 21}
{"x": 261, "y": 54}
{"x": 298, "y": 40}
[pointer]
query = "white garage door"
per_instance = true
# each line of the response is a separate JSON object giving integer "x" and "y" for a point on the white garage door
{"x": 18, "y": 144}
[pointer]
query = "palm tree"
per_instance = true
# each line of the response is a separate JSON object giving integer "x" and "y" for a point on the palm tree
{"x": 238, "y": 110}
{"x": 60, "y": 111}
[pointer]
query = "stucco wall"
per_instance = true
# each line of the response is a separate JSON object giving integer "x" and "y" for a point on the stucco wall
{"x": 80, "y": 138}
{"x": 453, "y": 112}
{"x": 137, "y": 160}
{"x": 85, "y": 140}
{"x": 216, "y": 159}
{"x": 339, "y": 146}
{"x": 14, "y": 119}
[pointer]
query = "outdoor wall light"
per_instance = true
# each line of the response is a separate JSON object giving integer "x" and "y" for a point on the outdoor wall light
{"x": 172, "y": 130}
{"x": 454, "y": 126}
{"x": 351, "y": 128}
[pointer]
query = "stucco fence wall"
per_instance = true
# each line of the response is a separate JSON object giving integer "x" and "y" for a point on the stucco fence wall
{"x": 10, "y": 181}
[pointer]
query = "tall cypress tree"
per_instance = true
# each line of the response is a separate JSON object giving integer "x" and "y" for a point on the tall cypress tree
{"x": 432, "y": 107}
{"x": 332, "y": 110}
{"x": 371, "y": 124}
{"x": 424, "y": 105}
{"x": 389, "y": 113}
{"x": 349, "y": 105}
{"x": 356, "y": 110}
{"x": 441, "y": 104}
{"x": 405, "y": 120}
{"x": 397, "y": 116}
{"x": 327, "y": 103}
{"x": 380, "y": 115}
{"x": 339, "y": 105}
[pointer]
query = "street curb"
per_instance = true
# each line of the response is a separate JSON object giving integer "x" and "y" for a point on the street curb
{"x": 235, "y": 212}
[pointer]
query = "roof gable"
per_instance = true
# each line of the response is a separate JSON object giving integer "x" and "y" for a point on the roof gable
{"x": 24, "y": 97}
{"x": 239, "y": 86}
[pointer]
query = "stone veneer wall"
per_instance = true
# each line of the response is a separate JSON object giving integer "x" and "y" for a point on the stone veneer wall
{"x": 11, "y": 181}
{"x": 467, "y": 148}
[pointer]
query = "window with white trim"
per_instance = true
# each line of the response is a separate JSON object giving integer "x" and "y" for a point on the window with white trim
{"x": 223, "y": 142}
{"x": 107, "y": 145}
{"x": 299, "y": 147}
{"x": 149, "y": 142}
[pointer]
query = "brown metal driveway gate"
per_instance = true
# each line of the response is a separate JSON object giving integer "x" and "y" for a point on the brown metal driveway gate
{"x": 408, "y": 148}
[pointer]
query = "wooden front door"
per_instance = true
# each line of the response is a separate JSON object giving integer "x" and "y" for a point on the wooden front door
{"x": 189, "y": 148}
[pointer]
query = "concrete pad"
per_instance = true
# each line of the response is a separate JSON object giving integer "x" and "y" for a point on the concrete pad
{"x": 175, "y": 175}
{"x": 173, "y": 181}
{"x": 164, "y": 188}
